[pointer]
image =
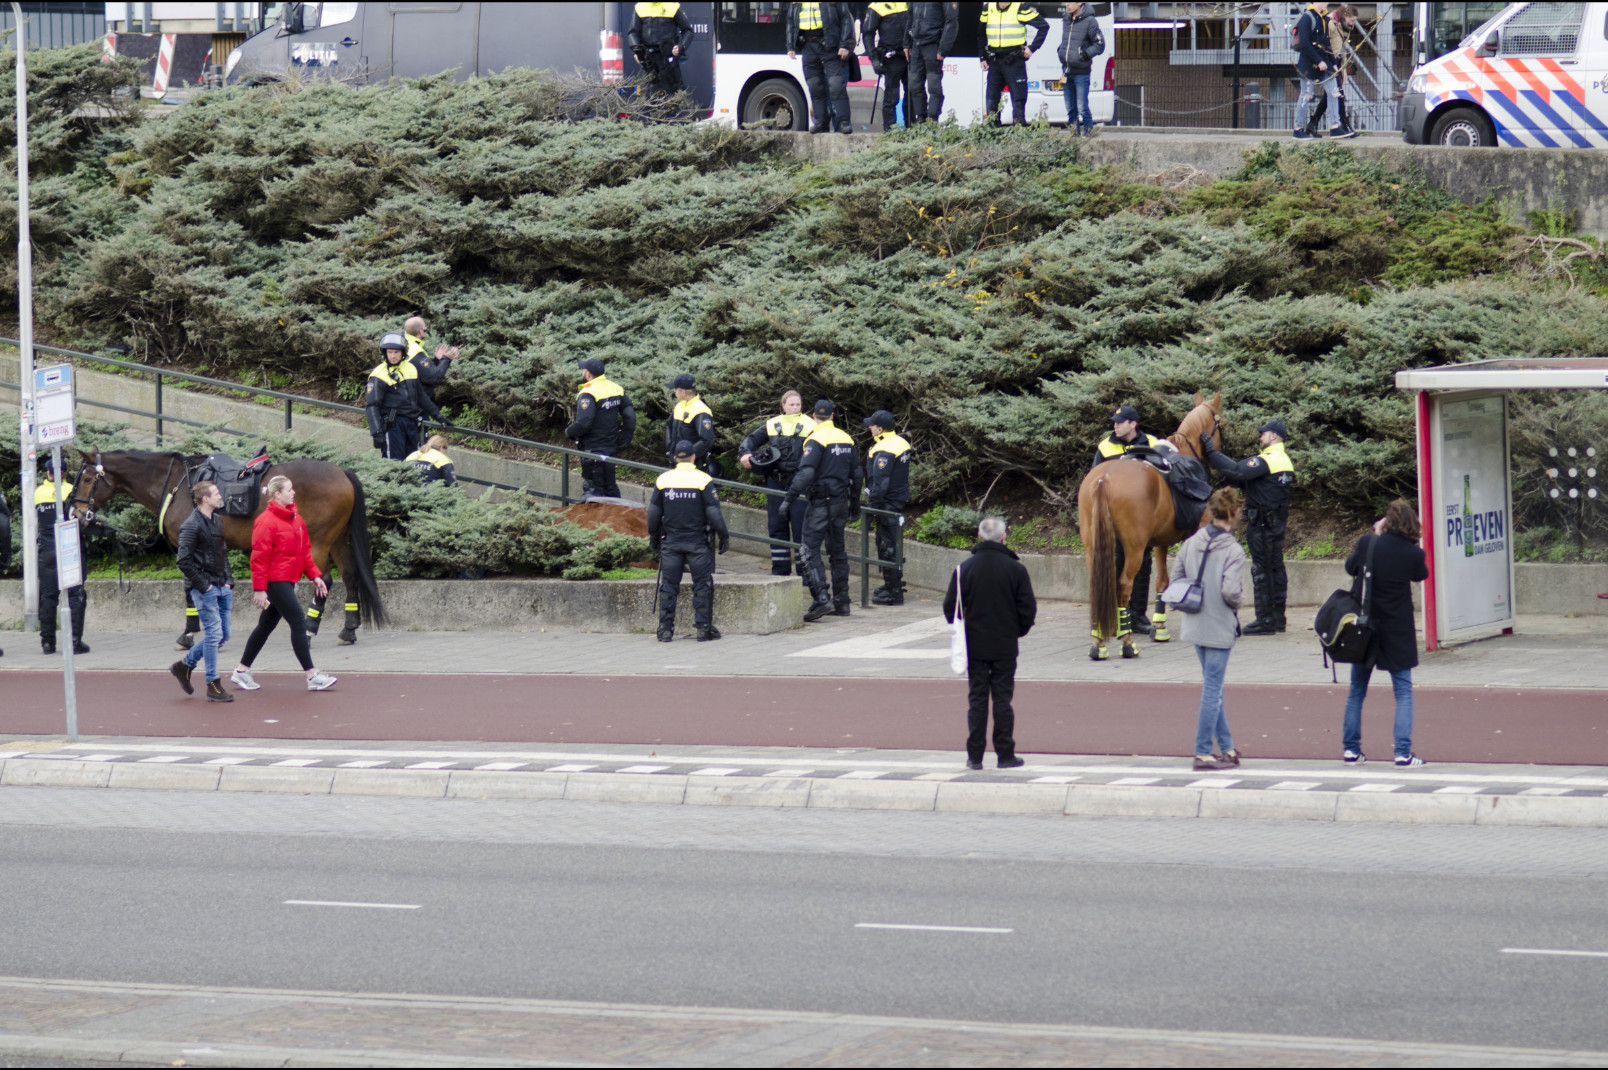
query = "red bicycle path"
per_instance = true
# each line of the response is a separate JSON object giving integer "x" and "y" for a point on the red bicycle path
{"x": 1452, "y": 724}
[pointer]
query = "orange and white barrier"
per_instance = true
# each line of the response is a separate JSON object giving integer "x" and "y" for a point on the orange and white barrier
{"x": 164, "y": 64}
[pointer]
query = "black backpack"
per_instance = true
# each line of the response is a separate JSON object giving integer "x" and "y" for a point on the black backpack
{"x": 1344, "y": 625}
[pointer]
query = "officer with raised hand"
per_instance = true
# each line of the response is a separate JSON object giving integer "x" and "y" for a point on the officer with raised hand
{"x": 1267, "y": 479}
{"x": 44, "y": 504}
{"x": 660, "y": 38}
{"x": 605, "y": 423}
{"x": 775, "y": 449}
{"x": 886, "y": 30}
{"x": 1126, "y": 435}
{"x": 690, "y": 420}
{"x": 394, "y": 400}
{"x": 432, "y": 370}
{"x": 829, "y": 479}
{"x": 887, "y": 484}
{"x": 1005, "y": 54}
{"x": 683, "y": 512}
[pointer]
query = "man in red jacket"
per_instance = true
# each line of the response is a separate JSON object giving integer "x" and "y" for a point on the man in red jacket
{"x": 281, "y": 553}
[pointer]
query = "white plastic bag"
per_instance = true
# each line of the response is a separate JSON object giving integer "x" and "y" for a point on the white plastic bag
{"x": 957, "y": 635}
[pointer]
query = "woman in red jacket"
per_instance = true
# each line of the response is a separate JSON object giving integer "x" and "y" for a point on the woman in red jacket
{"x": 281, "y": 552}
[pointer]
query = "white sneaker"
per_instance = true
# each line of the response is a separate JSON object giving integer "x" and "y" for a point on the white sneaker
{"x": 242, "y": 679}
{"x": 320, "y": 681}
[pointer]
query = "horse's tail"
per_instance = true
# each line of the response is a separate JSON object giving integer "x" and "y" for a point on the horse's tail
{"x": 1102, "y": 564}
{"x": 372, "y": 608}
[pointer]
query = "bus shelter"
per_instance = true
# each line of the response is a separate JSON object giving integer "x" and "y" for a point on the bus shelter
{"x": 1465, "y": 484}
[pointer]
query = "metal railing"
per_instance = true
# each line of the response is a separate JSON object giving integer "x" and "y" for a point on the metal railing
{"x": 566, "y": 454}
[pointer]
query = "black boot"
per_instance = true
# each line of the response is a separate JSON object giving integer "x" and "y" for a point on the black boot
{"x": 708, "y": 632}
{"x": 1261, "y": 626}
{"x": 667, "y": 632}
{"x": 888, "y": 596}
{"x": 1278, "y": 618}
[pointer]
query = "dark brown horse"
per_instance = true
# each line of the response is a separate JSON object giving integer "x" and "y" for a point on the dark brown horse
{"x": 1128, "y": 500}
{"x": 328, "y": 497}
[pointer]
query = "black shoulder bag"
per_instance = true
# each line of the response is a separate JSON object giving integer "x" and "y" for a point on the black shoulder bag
{"x": 1344, "y": 624}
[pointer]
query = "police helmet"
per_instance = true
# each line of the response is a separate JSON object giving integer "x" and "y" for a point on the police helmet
{"x": 393, "y": 340}
{"x": 766, "y": 460}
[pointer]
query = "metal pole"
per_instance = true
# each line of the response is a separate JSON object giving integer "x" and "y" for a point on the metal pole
{"x": 30, "y": 456}
{"x": 563, "y": 482}
{"x": 1234, "y": 123}
{"x": 64, "y": 618}
{"x": 158, "y": 408}
{"x": 287, "y": 414}
{"x": 865, "y": 558}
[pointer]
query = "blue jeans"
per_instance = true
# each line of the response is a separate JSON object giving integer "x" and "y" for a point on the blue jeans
{"x": 1400, "y": 682}
{"x": 1078, "y": 115}
{"x": 213, "y": 606}
{"x": 1213, "y": 722}
{"x": 1310, "y": 87}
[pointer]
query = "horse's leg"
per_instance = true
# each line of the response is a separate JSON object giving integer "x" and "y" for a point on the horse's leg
{"x": 1133, "y": 558}
{"x": 315, "y": 612}
{"x": 345, "y": 562}
{"x": 1158, "y": 622}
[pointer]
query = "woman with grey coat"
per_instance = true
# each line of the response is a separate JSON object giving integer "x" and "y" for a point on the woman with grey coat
{"x": 1214, "y": 629}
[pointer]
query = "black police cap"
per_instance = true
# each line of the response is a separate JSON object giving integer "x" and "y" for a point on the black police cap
{"x": 882, "y": 418}
{"x": 684, "y": 381}
{"x": 685, "y": 449}
{"x": 1127, "y": 412}
{"x": 823, "y": 408}
{"x": 1275, "y": 426}
{"x": 593, "y": 365}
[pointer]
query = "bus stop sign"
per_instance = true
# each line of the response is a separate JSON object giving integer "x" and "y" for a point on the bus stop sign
{"x": 55, "y": 423}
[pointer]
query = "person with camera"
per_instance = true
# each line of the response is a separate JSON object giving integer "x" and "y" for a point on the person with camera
{"x": 1006, "y": 51}
{"x": 1081, "y": 41}
{"x": 886, "y": 30}
{"x": 660, "y": 37}
{"x": 1212, "y": 558}
{"x": 774, "y": 449}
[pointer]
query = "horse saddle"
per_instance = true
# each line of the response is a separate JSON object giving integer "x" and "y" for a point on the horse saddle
{"x": 1186, "y": 478}
{"x": 239, "y": 482}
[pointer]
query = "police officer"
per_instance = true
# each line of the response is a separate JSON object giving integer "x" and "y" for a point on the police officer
{"x": 785, "y": 435}
{"x": 394, "y": 400}
{"x": 660, "y": 38}
{"x": 44, "y": 504}
{"x": 1005, "y": 54}
{"x": 829, "y": 478}
{"x": 682, "y": 514}
{"x": 933, "y": 29}
{"x": 886, "y": 30}
{"x": 1267, "y": 478}
{"x": 434, "y": 465}
{"x": 824, "y": 33}
{"x": 1127, "y": 435}
{"x": 690, "y": 420}
{"x": 887, "y": 485}
{"x": 605, "y": 423}
{"x": 432, "y": 370}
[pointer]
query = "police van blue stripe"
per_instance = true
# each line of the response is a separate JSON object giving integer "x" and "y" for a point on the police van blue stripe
{"x": 1584, "y": 116}
{"x": 1526, "y": 123}
{"x": 1554, "y": 120}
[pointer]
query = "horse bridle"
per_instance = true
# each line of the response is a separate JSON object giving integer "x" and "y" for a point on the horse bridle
{"x": 85, "y": 496}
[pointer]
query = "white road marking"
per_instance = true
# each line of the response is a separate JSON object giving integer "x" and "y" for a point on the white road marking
{"x": 1551, "y": 951}
{"x": 228, "y": 761}
{"x": 1054, "y": 779}
{"x": 4, "y": 754}
{"x": 299, "y": 762}
{"x": 1137, "y": 780}
{"x": 931, "y": 928}
{"x": 1376, "y": 787}
{"x": 336, "y": 903}
{"x": 100, "y": 757}
{"x": 1295, "y": 785}
{"x": 714, "y": 772}
{"x": 1213, "y": 782}
{"x": 884, "y": 646}
{"x": 644, "y": 769}
{"x": 1459, "y": 789}
{"x": 165, "y": 758}
{"x": 788, "y": 772}
{"x": 501, "y": 767}
{"x": 1545, "y": 791}
{"x": 863, "y": 774}
{"x": 367, "y": 764}
{"x": 434, "y": 765}
{"x": 570, "y": 768}
{"x": 939, "y": 776}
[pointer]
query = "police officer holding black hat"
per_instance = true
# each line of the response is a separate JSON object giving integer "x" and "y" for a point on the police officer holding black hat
{"x": 829, "y": 479}
{"x": 774, "y": 450}
{"x": 1267, "y": 479}
{"x": 605, "y": 422}
{"x": 887, "y": 484}
{"x": 682, "y": 514}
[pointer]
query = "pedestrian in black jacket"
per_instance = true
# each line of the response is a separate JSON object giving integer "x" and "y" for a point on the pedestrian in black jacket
{"x": 1081, "y": 41}
{"x": 824, "y": 35}
{"x": 998, "y": 606}
{"x": 1398, "y": 563}
{"x": 204, "y": 560}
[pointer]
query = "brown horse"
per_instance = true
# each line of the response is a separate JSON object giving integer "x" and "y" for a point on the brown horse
{"x": 328, "y": 497}
{"x": 1128, "y": 500}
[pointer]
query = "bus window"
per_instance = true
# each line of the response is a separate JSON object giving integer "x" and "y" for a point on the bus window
{"x": 759, "y": 28}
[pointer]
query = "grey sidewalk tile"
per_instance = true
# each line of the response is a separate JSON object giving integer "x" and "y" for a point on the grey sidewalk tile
{"x": 269, "y": 778}
{"x": 748, "y": 791}
{"x": 472, "y": 784}
{"x": 421, "y": 783}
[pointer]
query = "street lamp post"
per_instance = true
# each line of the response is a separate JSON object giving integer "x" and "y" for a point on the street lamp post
{"x": 30, "y": 520}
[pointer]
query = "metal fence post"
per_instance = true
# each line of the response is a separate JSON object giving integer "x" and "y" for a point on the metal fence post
{"x": 158, "y": 408}
{"x": 865, "y": 562}
{"x": 287, "y": 414}
{"x": 563, "y": 482}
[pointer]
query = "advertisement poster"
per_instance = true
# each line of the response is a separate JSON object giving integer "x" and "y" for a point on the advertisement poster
{"x": 1474, "y": 531}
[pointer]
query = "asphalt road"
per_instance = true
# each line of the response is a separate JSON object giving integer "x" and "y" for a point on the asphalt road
{"x": 1382, "y": 933}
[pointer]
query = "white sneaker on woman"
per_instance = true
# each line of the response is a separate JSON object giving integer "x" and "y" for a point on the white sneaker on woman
{"x": 320, "y": 681}
{"x": 242, "y": 679}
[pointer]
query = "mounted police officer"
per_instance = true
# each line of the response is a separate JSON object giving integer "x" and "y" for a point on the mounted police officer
{"x": 886, "y": 30}
{"x": 824, "y": 34}
{"x": 1005, "y": 54}
{"x": 394, "y": 400}
{"x": 683, "y": 513}
{"x": 660, "y": 38}
{"x": 774, "y": 450}
{"x": 690, "y": 420}
{"x": 1126, "y": 435}
{"x": 605, "y": 423}
{"x": 829, "y": 478}
{"x": 887, "y": 484}
{"x": 44, "y": 504}
{"x": 933, "y": 29}
{"x": 1267, "y": 479}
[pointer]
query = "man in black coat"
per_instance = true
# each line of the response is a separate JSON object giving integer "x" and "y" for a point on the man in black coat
{"x": 997, "y": 603}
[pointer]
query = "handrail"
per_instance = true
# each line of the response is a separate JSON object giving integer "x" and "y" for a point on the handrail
{"x": 864, "y": 557}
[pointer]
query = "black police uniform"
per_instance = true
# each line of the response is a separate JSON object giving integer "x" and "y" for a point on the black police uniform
{"x": 1267, "y": 479}
{"x": 691, "y": 421}
{"x": 393, "y": 402}
{"x": 887, "y": 482}
{"x": 886, "y": 30}
{"x": 1004, "y": 37}
{"x": 1106, "y": 449}
{"x": 49, "y": 596}
{"x": 786, "y": 522}
{"x": 432, "y": 371}
{"x": 933, "y": 30}
{"x": 605, "y": 423}
{"x": 829, "y": 478}
{"x": 682, "y": 513}
{"x": 816, "y": 32}
{"x": 655, "y": 30}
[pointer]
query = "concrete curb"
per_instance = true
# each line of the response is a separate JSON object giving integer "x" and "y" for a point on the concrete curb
{"x": 179, "y": 1053}
{"x": 1272, "y": 803}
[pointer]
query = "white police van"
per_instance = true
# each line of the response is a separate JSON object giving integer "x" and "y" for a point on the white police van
{"x": 1533, "y": 76}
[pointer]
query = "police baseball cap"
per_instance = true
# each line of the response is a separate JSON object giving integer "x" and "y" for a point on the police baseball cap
{"x": 593, "y": 365}
{"x": 1275, "y": 426}
{"x": 685, "y": 448}
{"x": 882, "y": 418}
{"x": 684, "y": 381}
{"x": 1127, "y": 412}
{"x": 823, "y": 408}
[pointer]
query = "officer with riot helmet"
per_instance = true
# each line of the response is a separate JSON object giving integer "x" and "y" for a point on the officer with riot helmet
{"x": 1126, "y": 435}
{"x": 683, "y": 512}
{"x": 690, "y": 420}
{"x": 1005, "y": 54}
{"x": 660, "y": 38}
{"x": 44, "y": 504}
{"x": 1267, "y": 479}
{"x": 774, "y": 450}
{"x": 829, "y": 478}
{"x": 886, "y": 30}
{"x": 394, "y": 400}
{"x": 887, "y": 485}
{"x": 605, "y": 423}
